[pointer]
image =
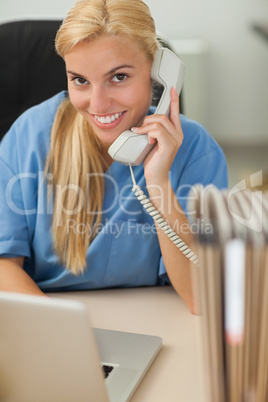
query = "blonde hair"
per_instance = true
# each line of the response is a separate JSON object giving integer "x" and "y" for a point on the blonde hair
{"x": 75, "y": 152}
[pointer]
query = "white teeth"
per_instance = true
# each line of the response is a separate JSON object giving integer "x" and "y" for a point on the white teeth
{"x": 108, "y": 119}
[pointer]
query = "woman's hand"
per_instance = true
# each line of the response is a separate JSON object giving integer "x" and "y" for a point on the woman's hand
{"x": 169, "y": 136}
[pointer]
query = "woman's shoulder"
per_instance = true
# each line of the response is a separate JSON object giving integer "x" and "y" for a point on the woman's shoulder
{"x": 197, "y": 141}
{"x": 38, "y": 116}
{"x": 196, "y": 133}
{"x": 200, "y": 158}
{"x": 42, "y": 114}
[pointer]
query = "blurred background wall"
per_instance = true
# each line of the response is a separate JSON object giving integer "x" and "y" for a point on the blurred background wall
{"x": 226, "y": 83}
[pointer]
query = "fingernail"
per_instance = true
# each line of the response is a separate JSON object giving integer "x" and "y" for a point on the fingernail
{"x": 134, "y": 129}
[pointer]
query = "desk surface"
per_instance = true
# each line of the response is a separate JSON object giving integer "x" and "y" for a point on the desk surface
{"x": 176, "y": 374}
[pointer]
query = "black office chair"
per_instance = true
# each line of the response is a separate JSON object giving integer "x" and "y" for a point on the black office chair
{"x": 30, "y": 69}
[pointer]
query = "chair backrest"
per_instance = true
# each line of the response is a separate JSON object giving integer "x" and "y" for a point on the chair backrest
{"x": 30, "y": 69}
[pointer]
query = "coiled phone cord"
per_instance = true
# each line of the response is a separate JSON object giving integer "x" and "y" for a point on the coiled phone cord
{"x": 146, "y": 203}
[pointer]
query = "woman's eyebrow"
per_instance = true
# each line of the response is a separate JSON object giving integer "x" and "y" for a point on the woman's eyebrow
{"x": 112, "y": 71}
{"x": 118, "y": 68}
{"x": 75, "y": 74}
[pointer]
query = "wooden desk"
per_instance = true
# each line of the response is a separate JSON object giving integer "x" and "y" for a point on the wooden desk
{"x": 176, "y": 373}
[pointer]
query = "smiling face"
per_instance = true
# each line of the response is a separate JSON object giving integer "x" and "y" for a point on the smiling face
{"x": 109, "y": 84}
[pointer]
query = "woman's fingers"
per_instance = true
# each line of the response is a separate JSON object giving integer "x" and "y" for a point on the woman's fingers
{"x": 175, "y": 109}
{"x": 171, "y": 125}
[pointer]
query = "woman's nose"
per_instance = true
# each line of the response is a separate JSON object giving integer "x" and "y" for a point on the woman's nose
{"x": 100, "y": 100}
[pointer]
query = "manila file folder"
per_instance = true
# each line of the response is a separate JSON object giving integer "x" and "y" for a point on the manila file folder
{"x": 231, "y": 284}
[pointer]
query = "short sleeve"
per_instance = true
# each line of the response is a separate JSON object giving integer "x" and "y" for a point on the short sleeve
{"x": 14, "y": 234}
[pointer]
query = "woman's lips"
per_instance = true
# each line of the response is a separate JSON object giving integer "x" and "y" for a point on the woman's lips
{"x": 108, "y": 121}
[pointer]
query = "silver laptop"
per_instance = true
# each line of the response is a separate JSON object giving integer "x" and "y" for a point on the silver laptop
{"x": 50, "y": 353}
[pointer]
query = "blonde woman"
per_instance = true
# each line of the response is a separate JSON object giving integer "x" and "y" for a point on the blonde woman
{"x": 69, "y": 219}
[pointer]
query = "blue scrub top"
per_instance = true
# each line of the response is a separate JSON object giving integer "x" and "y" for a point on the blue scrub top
{"x": 125, "y": 251}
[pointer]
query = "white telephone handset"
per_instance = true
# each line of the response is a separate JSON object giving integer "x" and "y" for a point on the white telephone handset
{"x": 168, "y": 70}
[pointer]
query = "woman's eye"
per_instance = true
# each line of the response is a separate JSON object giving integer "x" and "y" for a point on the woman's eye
{"x": 80, "y": 81}
{"x": 119, "y": 77}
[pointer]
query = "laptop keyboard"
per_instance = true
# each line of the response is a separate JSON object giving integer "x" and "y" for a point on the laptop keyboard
{"x": 107, "y": 370}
